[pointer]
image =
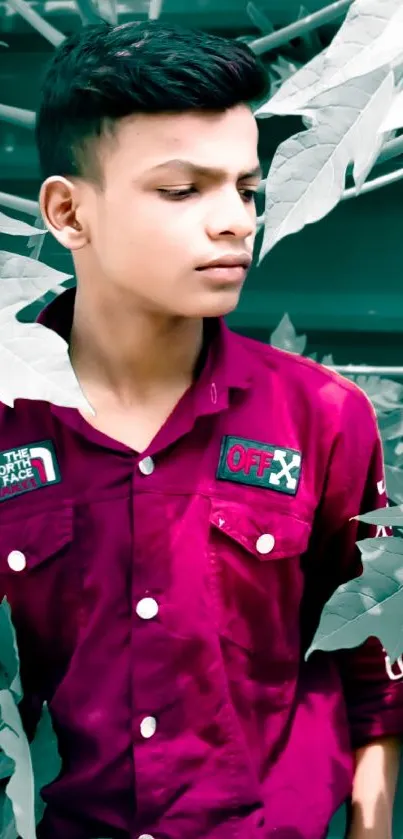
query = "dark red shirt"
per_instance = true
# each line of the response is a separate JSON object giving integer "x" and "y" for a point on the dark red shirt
{"x": 163, "y": 601}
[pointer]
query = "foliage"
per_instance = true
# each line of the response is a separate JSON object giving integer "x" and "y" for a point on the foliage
{"x": 27, "y": 766}
{"x": 373, "y": 603}
{"x": 345, "y": 95}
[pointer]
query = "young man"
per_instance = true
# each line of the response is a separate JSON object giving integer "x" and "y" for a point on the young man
{"x": 167, "y": 581}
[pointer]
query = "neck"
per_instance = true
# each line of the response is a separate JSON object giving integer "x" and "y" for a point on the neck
{"x": 117, "y": 348}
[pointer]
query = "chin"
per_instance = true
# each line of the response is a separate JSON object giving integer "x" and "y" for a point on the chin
{"x": 214, "y": 305}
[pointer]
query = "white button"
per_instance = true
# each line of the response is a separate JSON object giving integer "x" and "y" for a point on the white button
{"x": 147, "y": 608}
{"x": 148, "y": 727}
{"x": 146, "y": 836}
{"x": 265, "y": 543}
{"x": 146, "y": 466}
{"x": 16, "y": 561}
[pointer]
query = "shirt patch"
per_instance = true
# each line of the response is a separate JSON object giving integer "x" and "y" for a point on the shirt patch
{"x": 259, "y": 464}
{"x": 23, "y": 470}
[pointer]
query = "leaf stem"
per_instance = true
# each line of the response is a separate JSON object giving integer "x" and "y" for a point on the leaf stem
{"x": 300, "y": 27}
{"x": 37, "y": 22}
{"x": 17, "y": 116}
{"x": 87, "y": 11}
{"x": 22, "y": 205}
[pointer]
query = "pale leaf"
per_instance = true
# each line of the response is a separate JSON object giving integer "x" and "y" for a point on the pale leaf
{"x": 307, "y": 176}
{"x": 14, "y": 227}
{"x": 394, "y": 118}
{"x": 369, "y": 39}
{"x": 285, "y": 337}
{"x": 370, "y": 605}
{"x": 23, "y": 280}
{"x": 34, "y": 360}
{"x": 297, "y": 91}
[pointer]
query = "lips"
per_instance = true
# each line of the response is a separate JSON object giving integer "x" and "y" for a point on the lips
{"x": 230, "y": 261}
{"x": 221, "y": 273}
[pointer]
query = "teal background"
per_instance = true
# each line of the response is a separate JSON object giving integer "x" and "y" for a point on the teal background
{"x": 339, "y": 280}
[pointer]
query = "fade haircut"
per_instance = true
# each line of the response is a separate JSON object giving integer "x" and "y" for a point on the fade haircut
{"x": 104, "y": 73}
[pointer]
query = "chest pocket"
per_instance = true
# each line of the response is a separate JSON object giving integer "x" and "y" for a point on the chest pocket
{"x": 42, "y": 581}
{"x": 256, "y": 577}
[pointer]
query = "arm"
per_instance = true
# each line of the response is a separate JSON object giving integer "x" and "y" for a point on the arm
{"x": 375, "y": 702}
{"x": 373, "y": 693}
{"x": 375, "y": 780}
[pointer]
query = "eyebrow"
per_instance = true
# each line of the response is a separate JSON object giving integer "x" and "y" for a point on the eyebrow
{"x": 206, "y": 171}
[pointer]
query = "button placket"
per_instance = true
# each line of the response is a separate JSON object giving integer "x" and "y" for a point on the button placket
{"x": 148, "y": 727}
{"x": 147, "y": 608}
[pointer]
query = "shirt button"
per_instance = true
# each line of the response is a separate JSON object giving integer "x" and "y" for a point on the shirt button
{"x": 265, "y": 543}
{"x": 148, "y": 727}
{"x": 147, "y": 466}
{"x": 147, "y": 608}
{"x": 16, "y": 561}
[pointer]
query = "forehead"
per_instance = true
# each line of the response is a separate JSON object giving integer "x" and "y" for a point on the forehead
{"x": 227, "y": 140}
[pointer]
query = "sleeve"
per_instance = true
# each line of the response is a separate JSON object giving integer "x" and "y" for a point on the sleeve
{"x": 355, "y": 484}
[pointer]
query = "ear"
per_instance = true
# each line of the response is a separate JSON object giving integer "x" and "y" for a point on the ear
{"x": 60, "y": 202}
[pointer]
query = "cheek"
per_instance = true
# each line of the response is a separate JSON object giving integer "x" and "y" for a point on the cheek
{"x": 146, "y": 233}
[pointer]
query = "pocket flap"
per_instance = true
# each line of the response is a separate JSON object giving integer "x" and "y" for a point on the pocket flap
{"x": 34, "y": 539}
{"x": 264, "y": 533}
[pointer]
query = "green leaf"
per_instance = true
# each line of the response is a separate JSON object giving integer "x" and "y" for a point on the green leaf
{"x": 391, "y": 424}
{"x": 384, "y": 393}
{"x": 9, "y": 659}
{"x": 285, "y": 337}
{"x": 385, "y": 517}
{"x": 394, "y": 483}
{"x": 46, "y": 760}
{"x": 20, "y": 788}
{"x": 6, "y": 768}
{"x": 7, "y": 820}
{"x": 370, "y": 605}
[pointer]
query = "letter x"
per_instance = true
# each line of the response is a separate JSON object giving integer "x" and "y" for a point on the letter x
{"x": 280, "y": 456}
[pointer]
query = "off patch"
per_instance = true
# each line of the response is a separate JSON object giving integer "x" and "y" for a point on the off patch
{"x": 264, "y": 465}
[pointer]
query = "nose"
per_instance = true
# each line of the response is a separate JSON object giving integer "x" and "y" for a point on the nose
{"x": 229, "y": 215}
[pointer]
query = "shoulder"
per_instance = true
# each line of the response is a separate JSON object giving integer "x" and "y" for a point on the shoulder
{"x": 299, "y": 377}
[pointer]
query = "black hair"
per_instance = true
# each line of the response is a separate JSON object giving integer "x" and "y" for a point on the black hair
{"x": 103, "y": 73}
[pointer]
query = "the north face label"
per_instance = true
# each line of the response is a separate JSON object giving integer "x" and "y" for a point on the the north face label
{"x": 25, "y": 469}
{"x": 259, "y": 464}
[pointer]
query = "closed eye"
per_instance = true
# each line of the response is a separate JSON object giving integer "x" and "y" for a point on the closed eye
{"x": 248, "y": 195}
{"x": 177, "y": 194}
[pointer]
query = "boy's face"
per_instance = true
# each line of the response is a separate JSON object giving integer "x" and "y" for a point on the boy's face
{"x": 142, "y": 240}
